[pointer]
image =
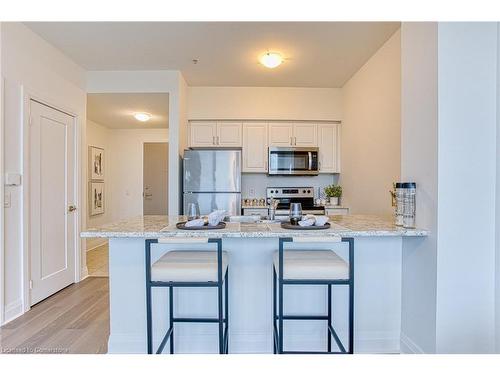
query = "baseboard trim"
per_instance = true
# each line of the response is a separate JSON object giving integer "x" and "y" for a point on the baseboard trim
{"x": 408, "y": 346}
{"x": 254, "y": 343}
{"x": 12, "y": 311}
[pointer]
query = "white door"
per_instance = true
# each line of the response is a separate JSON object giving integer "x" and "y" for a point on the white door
{"x": 202, "y": 134}
{"x": 229, "y": 134}
{"x": 305, "y": 135}
{"x": 328, "y": 143}
{"x": 254, "y": 147}
{"x": 280, "y": 135}
{"x": 155, "y": 178}
{"x": 52, "y": 195}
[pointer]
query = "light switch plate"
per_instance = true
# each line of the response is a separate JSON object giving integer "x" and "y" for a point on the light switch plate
{"x": 13, "y": 179}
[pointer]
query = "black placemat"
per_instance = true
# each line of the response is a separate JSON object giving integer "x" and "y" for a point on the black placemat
{"x": 298, "y": 227}
{"x": 182, "y": 225}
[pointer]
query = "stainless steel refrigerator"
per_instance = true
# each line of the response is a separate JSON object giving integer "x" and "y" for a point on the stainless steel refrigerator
{"x": 212, "y": 178}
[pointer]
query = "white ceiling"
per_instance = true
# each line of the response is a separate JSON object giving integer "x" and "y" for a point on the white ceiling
{"x": 320, "y": 54}
{"x": 116, "y": 111}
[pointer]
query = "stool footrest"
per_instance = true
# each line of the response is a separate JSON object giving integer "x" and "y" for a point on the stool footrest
{"x": 308, "y": 352}
{"x": 197, "y": 320}
{"x": 303, "y": 317}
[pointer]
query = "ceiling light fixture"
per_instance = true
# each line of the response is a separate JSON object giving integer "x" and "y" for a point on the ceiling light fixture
{"x": 142, "y": 116}
{"x": 271, "y": 59}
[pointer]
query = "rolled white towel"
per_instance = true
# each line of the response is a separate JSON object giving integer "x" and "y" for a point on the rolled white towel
{"x": 306, "y": 222}
{"x": 216, "y": 217}
{"x": 195, "y": 223}
{"x": 321, "y": 220}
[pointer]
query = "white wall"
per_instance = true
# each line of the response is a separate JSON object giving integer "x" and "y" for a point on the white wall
{"x": 419, "y": 163}
{"x": 449, "y": 76}
{"x": 498, "y": 200}
{"x": 467, "y": 77}
{"x": 269, "y": 103}
{"x": 167, "y": 81}
{"x": 31, "y": 66}
{"x": 125, "y": 177}
{"x": 371, "y": 131}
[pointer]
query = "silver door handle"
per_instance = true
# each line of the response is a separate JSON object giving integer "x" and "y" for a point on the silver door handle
{"x": 291, "y": 141}
{"x": 217, "y": 140}
{"x": 213, "y": 140}
{"x": 71, "y": 208}
{"x": 309, "y": 154}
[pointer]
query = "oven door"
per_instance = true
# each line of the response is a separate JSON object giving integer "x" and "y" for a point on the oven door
{"x": 293, "y": 161}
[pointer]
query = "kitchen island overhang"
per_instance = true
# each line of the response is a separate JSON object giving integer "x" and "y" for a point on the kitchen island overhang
{"x": 378, "y": 252}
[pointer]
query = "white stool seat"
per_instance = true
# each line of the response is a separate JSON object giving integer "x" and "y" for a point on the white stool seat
{"x": 312, "y": 264}
{"x": 187, "y": 265}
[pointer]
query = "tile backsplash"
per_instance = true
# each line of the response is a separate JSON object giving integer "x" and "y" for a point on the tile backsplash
{"x": 253, "y": 185}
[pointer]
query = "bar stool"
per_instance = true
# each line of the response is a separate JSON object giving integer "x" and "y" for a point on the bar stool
{"x": 188, "y": 268}
{"x": 312, "y": 267}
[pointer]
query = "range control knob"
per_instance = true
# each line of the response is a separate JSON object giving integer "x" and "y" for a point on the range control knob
{"x": 303, "y": 191}
{"x": 309, "y": 191}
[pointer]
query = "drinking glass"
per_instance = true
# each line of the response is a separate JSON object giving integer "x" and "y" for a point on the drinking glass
{"x": 193, "y": 211}
{"x": 295, "y": 213}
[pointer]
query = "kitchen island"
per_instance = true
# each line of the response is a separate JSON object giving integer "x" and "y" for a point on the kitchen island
{"x": 377, "y": 248}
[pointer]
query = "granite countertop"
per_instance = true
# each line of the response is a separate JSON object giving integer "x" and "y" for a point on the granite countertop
{"x": 164, "y": 226}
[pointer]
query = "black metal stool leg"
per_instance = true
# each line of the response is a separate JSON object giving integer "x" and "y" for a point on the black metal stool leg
{"x": 329, "y": 318}
{"x": 226, "y": 292}
{"x": 274, "y": 311}
{"x": 149, "y": 318}
{"x": 171, "y": 309}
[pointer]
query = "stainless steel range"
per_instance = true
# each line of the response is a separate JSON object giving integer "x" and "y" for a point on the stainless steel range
{"x": 287, "y": 195}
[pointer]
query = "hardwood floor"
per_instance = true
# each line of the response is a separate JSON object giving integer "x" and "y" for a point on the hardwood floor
{"x": 97, "y": 261}
{"x": 74, "y": 320}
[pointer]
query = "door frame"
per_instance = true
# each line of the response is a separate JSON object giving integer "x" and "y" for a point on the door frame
{"x": 143, "y": 142}
{"x": 28, "y": 96}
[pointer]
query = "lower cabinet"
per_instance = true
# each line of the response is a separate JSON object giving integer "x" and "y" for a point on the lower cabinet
{"x": 337, "y": 211}
{"x": 263, "y": 211}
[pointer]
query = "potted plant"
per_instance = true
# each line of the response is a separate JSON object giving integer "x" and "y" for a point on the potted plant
{"x": 333, "y": 193}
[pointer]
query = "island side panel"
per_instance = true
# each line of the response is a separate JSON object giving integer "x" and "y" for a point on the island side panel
{"x": 377, "y": 300}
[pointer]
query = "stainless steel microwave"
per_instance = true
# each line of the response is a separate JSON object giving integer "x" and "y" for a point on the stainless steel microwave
{"x": 300, "y": 161}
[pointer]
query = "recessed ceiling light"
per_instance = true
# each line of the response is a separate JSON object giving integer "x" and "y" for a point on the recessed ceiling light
{"x": 142, "y": 116}
{"x": 271, "y": 59}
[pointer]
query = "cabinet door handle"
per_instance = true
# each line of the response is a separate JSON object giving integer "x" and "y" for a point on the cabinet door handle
{"x": 213, "y": 140}
{"x": 291, "y": 141}
{"x": 295, "y": 141}
{"x": 218, "y": 140}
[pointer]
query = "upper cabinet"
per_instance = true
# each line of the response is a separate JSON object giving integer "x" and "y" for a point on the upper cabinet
{"x": 202, "y": 134}
{"x": 254, "y": 138}
{"x": 215, "y": 134}
{"x": 280, "y": 134}
{"x": 254, "y": 152}
{"x": 229, "y": 134}
{"x": 329, "y": 148}
{"x": 284, "y": 134}
{"x": 305, "y": 135}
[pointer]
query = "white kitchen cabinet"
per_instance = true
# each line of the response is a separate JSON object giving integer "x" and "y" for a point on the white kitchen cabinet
{"x": 202, "y": 134}
{"x": 337, "y": 211}
{"x": 329, "y": 148}
{"x": 257, "y": 211}
{"x": 254, "y": 151}
{"x": 280, "y": 134}
{"x": 229, "y": 134}
{"x": 215, "y": 134}
{"x": 285, "y": 134}
{"x": 305, "y": 135}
